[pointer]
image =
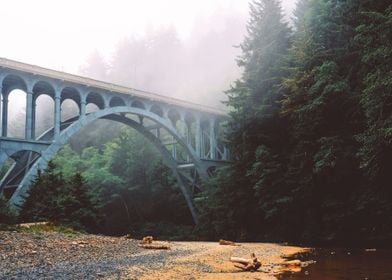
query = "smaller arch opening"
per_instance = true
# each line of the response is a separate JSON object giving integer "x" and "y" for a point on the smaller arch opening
{"x": 91, "y": 108}
{"x": 69, "y": 109}
{"x": 138, "y": 104}
{"x": 43, "y": 87}
{"x": 70, "y": 93}
{"x": 156, "y": 110}
{"x": 16, "y": 117}
{"x": 96, "y": 99}
{"x": 116, "y": 101}
{"x": 174, "y": 116}
{"x": 44, "y": 114}
{"x": 12, "y": 82}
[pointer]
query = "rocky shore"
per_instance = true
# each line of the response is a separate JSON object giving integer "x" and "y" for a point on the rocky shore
{"x": 51, "y": 255}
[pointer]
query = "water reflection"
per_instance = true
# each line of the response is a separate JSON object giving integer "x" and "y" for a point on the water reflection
{"x": 339, "y": 264}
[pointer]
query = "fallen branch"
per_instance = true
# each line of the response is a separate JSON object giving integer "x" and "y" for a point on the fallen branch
{"x": 246, "y": 264}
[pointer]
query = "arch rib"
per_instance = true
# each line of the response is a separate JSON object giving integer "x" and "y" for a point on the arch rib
{"x": 109, "y": 113}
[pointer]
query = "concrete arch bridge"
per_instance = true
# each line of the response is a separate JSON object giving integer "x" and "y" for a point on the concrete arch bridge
{"x": 186, "y": 134}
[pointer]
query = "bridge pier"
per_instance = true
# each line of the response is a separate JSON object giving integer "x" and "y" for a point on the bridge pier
{"x": 57, "y": 115}
{"x": 212, "y": 139}
{"x": 4, "y": 120}
{"x": 198, "y": 137}
{"x": 29, "y": 115}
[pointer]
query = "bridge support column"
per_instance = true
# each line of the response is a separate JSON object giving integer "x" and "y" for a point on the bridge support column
{"x": 29, "y": 115}
{"x": 183, "y": 126}
{"x": 212, "y": 139}
{"x": 4, "y": 120}
{"x": 82, "y": 109}
{"x": 174, "y": 151}
{"x": 198, "y": 137}
{"x": 57, "y": 115}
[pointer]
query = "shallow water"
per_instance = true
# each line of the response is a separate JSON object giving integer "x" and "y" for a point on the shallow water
{"x": 342, "y": 264}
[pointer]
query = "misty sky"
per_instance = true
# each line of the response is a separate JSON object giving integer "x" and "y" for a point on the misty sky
{"x": 63, "y": 34}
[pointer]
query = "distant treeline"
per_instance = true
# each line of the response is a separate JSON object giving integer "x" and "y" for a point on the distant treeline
{"x": 311, "y": 128}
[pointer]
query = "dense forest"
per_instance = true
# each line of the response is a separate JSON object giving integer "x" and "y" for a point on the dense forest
{"x": 117, "y": 187}
{"x": 311, "y": 127}
{"x": 310, "y": 134}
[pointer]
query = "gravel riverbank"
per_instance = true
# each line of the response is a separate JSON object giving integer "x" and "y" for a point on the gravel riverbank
{"x": 58, "y": 256}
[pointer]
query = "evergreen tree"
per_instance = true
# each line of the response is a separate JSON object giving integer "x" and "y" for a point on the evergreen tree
{"x": 52, "y": 198}
{"x": 76, "y": 207}
{"x": 41, "y": 199}
{"x": 6, "y": 215}
{"x": 300, "y": 15}
{"x": 322, "y": 106}
{"x": 374, "y": 39}
{"x": 256, "y": 131}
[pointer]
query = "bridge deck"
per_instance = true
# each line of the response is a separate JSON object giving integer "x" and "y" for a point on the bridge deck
{"x": 44, "y": 72}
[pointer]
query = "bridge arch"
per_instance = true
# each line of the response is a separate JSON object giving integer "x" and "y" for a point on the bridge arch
{"x": 114, "y": 114}
{"x": 178, "y": 127}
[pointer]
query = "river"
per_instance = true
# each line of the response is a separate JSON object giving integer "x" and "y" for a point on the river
{"x": 342, "y": 264}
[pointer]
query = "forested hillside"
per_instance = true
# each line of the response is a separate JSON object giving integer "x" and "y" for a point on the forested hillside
{"x": 119, "y": 187}
{"x": 311, "y": 127}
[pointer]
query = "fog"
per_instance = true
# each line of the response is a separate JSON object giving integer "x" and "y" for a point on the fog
{"x": 199, "y": 67}
{"x": 179, "y": 48}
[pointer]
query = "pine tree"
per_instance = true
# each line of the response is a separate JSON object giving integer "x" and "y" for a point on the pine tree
{"x": 76, "y": 207}
{"x": 375, "y": 36}
{"x": 322, "y": 106}
{"x": 41, "y": 199}
{"x": 6, "y": 215}
{"x": 51, "y": 198}
{"x": 374, "y": 39}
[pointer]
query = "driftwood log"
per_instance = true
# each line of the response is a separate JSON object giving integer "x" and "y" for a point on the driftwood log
{"x": 155, "y": 246}
{"x": 251, "y": 264}
{"x": 227, "y": 242}
{"x": 292, "y": 263}
{"x": 147, "y": 239}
